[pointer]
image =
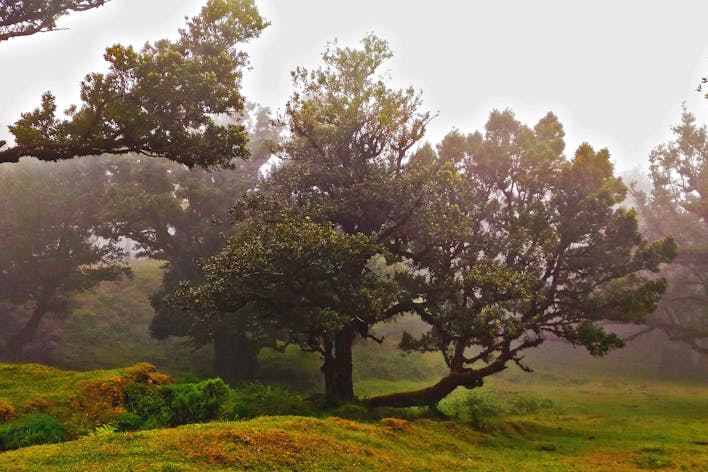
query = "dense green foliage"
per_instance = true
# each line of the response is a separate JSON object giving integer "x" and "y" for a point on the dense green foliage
{"x": 30, "y": 430}
{"x": 164, "y": 100}
{"x": 520, "y": 245}
{"x": 342, "y": 182}
{"x": 172, "y": 405}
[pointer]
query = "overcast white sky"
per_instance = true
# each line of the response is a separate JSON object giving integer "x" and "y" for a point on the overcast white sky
{"x": 615, "y": 72}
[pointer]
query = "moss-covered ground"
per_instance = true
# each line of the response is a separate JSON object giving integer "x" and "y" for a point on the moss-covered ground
{"x": 514, "y": 423}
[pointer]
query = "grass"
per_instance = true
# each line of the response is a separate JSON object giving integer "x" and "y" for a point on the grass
{"x": 535, "y": 423}
{"x": 23, "y": 383}
{"x": 626, "y": 412}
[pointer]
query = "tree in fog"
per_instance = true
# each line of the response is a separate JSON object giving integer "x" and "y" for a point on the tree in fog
{"x": 303, "y": 242}
{"x": 166, "y": 99}
{"x": 676, "y": 206}
{"x": 49, "y": 215}
{"x": 25, "y": 18}
{"x": 521, "y": 244}
{"x": 179, "y": 215}
{"x": 497, "y": 241}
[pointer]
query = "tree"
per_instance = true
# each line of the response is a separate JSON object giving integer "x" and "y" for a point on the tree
{"x": 344, "y": 171}
{"x": 302, "y": 281}
{"x": 167, "y": 99}
{"x": 345, "y": 164}
{"x": 521, "y": 245}
{"x": 496, "y": 241}
{"x": 49, "y": 248}
{"x": 24, "y": 18}
{"x": 676, "y": 206}
{"x": 179, "y": 215}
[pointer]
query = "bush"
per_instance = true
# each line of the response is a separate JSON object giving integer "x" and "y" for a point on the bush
{"x": 174, "y": 405}
{"x": 480, "y": 407}
{"x": 129, "y": 421}
{"x": 31, "y": 430}
{"x": 194, "y": 403}
{"x": 526, "y": 404}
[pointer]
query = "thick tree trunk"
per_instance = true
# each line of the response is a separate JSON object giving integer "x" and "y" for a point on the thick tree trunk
{"x": 429, "y": 396}
{"x": 337, "y": 367}
{"x": 235, "y": 358}
{"x": 26, "y": 335}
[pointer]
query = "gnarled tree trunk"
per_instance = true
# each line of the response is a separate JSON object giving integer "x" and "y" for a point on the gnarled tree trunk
{"x": 26, "y": 335}
{"x": 337, "y": 366}
{"x": 235, "y": 358}
{"x": 429, "y": 396}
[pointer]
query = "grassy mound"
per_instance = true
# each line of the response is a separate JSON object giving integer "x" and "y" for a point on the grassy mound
{"x": 82, "y": 401}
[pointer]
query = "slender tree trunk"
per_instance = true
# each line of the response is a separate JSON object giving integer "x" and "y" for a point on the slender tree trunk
{"x": 235, "y": 358}
{"x": 337, "y": 367}
{"x": 429, "y": 396}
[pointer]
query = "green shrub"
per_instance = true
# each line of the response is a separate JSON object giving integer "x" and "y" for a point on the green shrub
{"x": 31, "y": 430}
{"x": 526, "y": 404}
{"x": 194, "y": 403}
{"x": 129, "y": 421}
{"x": 174, "y": 405}
{"x": 480, "y": 407}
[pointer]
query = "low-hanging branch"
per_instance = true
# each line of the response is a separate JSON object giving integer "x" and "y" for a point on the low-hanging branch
{"x": 165, "y": 100}
{"x": 25, "y": 18}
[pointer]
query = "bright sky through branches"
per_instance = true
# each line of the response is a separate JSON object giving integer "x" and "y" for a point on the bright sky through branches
{"x": 615, "y": 73}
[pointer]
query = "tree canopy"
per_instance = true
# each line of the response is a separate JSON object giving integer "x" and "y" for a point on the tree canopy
{"x": 170, "y": 99}
{"x": 344, "y": 178}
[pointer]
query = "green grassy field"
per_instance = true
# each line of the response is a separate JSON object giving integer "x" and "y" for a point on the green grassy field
{"x": 629, "y": 411}
{"x": 523, "y": 422}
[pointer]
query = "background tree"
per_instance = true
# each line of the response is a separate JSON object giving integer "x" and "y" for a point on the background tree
{"x": 167, "y": 99}
{"x": 24, "y": 18}
{"x": 676, "y": 206}
{"x": 49, "y": 250}
{"x": 179, "y": 215}
{"x": 520, "y": 245}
